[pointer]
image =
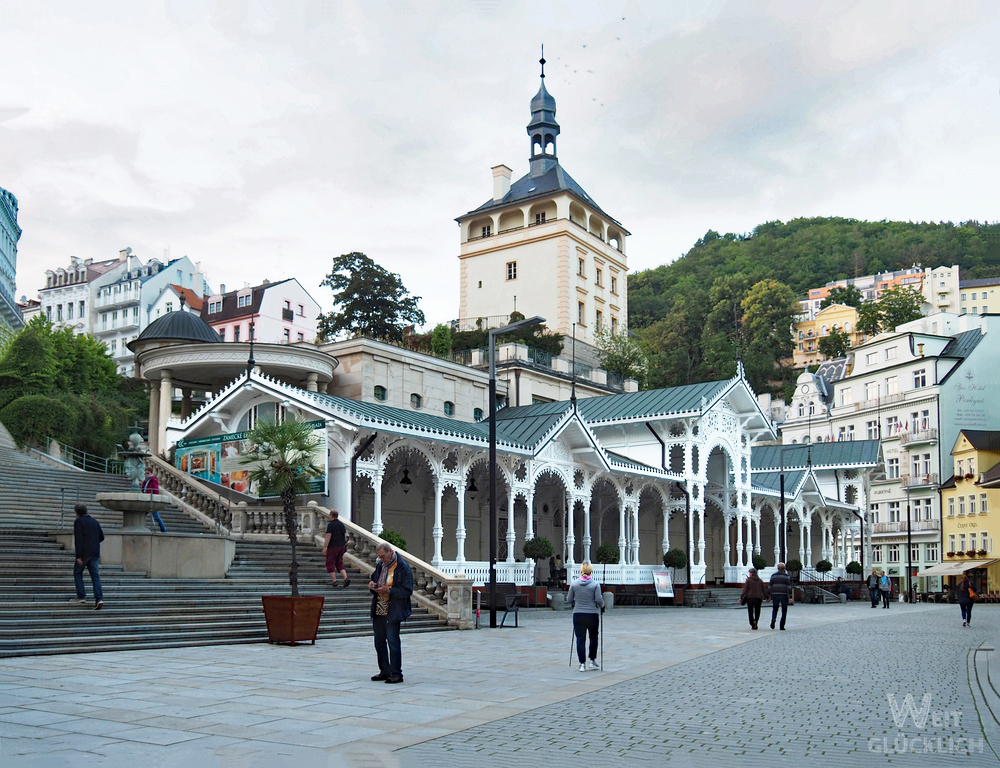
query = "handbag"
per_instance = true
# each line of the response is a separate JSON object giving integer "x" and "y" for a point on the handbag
{"x": 972, "y": 594}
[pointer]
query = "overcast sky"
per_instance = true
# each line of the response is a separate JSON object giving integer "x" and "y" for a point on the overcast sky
{"x": 264, "y": 137}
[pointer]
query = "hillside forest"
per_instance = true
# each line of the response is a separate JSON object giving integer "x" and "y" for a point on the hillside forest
{"x": 738, "y": 293}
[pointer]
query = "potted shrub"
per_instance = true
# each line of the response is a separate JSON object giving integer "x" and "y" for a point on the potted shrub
{"x": 793, "y": 565}
{"x": 759, "y": 562}
{"x": 970, "y": 553}
{"x": 394, "y": 538}
{"x": 281, "y": 464}
{"x": 676, "y": 560}
{"x": 538, "y": 549}
{"x": 854, "y": 567}
{"x": 824, "y": 566}
{"x": 982, "y": 553}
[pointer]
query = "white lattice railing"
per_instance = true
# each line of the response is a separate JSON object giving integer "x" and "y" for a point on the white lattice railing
{"x": 522, "y": 574}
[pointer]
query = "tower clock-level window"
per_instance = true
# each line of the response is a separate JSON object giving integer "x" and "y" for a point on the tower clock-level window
{"x": 511, "y": 271}
{"x": 380, "y": 393}
{"x": 477, "y": 414}
{"x": 416, "y": 401}
{"x": 487, "y": 230}
{"x": 540, "y": 218}
{"x": 449, "y": 408}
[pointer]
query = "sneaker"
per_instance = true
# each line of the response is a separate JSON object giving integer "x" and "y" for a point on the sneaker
{"x": 347, "y": 583}
{"x": 583, "y": 667}
{"x": 965, "y": 623}
{"x": 393, "y": 679}
{"x": 77, "y": 601}
{"x": 594, "y": 664}
{"x": 772, "y": 625}
{"x": 100, "y": 604}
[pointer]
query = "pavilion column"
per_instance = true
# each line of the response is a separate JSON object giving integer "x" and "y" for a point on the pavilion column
{"x": 586, "y": 540}
{"x": 185, "y": 404}
{"x": 460, "y": 528}
{"x": 622, "y": 541}
{"x": 665, "y": 543}
{"x": 377, "y": 516}
{"x": 701, "y": 535}
{"x": 570, "y": 532}
{"x": 778, "y": 533}
{"x": 311, "y": 380}
{"x": 635, "y": 534}
{"x": 726, "y": 547}
{"x": 740, "y": 548}
{"x": 529, "y": 532}
{"x": 153, "y": 430}
{"x": 166, "y": 403}
{"x": 805, "y": 550}
{"x": 511, "y": 533}
{"x": 438, "y": 530}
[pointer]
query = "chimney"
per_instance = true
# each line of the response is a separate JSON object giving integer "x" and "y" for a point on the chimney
{"x": 501, "y": 182}
{"x": 222, "y": 288}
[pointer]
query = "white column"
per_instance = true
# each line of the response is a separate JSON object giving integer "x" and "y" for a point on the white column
{"x": 529, "y": 532}
{"x": 665, "y": 543}
{"x": 587, "y": 539}
{"x": 460, "y": 527}
{"x": 166, "y": 400}
{"x": 726, "y": 549}
{"x": 511, "y": 534}
{"x": 377, "y": 516}
{"x": 635, "y": 534}
{"x": 570, "y": 533}
{"x": 701, "y": 534}
{"x": 154, "y": 416}
{"x": 741, "y": 550}
{"x": 438, "y": 530}
{"x": 805, "y": 551}
{"x": 778, "y": 533}
{"x": 622, "y": 540}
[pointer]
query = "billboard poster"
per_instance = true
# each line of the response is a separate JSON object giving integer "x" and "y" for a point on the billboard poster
{"x": 663, "y": 583}
{"x": 216, "y": 459}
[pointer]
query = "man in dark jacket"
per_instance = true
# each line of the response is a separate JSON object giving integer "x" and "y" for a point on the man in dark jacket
{"x": 391, "y": 586}
{"x": 87, "y": 538}
{"x": 781, "y": 592}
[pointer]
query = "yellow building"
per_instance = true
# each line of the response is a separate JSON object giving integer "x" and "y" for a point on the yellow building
{"x": 970, "y": 509}
{"x": 809, "y": 332}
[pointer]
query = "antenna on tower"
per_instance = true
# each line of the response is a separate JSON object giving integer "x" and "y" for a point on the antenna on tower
{"x": 542, "y": 61}
{"x": 736, "y": 326}
{"x": 572, "y": 389}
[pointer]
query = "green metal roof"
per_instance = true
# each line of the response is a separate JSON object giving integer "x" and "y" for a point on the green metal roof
{"x": 845, "y": 453}
{"x": 650, "y": 403}
{"x": 771, "y": 482}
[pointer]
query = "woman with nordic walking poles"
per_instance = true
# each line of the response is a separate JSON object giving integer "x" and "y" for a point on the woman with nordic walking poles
{"x": 588, "y": 603}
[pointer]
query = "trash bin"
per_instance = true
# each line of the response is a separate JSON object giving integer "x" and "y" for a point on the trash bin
{"x": 609, "y": 600}
{"x": 843, "y": 599}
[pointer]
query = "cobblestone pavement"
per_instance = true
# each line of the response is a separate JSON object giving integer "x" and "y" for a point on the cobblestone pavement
{"x": 688, "y": 687}
{"x": 816, "y": 696}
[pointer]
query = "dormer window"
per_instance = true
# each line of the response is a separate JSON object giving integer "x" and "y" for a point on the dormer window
{"x": 540, "y": 218}
{"x": 487, "y": 230}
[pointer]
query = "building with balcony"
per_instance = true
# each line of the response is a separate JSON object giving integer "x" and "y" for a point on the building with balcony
{"x": 281, "y": 312}
{"x": 125, "y": 295}
{"x": 543, "y": 246}
{"x": 67, "y": 299}
{"x": 10, "y": 316}
{"x": 808, "y": 333}
{"x": 970, "y": 500}
{"x": 980, "y": 297}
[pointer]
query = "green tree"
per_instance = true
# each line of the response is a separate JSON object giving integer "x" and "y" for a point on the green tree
{"x": 900, "y": 305}
{"x": 281, "y": 464}
{"x": 835, "y": 344}
{"x": 869, "y": 318}
{"x": 368, "y": 301}
{"x": 622, "y": 354}
{"x": 768, "y": 311}
{"x": 441, "y": 340}
{"x": 850, "y": 296}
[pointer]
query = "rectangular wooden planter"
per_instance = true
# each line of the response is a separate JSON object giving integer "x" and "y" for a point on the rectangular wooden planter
{"x": 292, "y": 619}
{"x": 534, "y": 596}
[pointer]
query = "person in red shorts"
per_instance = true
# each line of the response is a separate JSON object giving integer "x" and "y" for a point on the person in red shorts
{"x": 334, "y": 547}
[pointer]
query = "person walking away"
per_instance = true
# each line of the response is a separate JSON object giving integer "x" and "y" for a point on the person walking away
{"x": 966, "y": 598}
{"x": 87, "y": 538}
{"x": 873, "y": 588}
{"x": 780, "y": 590}
{"x": 334, "y": 547}
{"x": 753, "y": 596}
{"x": 391, "y": 585}
{"x": 151, "y": 485}
{"x": 587, "y": 601}
{"x": 885, "y": 588}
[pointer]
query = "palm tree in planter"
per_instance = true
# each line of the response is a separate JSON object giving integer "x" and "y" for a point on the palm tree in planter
{"x": 280, "y": 457}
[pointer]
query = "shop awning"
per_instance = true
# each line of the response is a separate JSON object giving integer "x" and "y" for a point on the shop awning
{"x": 954, "y": 567}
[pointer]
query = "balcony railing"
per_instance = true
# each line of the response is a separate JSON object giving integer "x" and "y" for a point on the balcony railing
{"x": 913, "y": 481}
{"x": 921, "y": 436}
{"x": 900, "y": 526}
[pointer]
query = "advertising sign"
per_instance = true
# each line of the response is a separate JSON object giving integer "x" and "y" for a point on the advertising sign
{"x": 663, "y": 583}
{"x": 216, "y": 459}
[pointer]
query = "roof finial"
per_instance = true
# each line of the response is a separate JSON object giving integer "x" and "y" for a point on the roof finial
{"x": 542, "y": 61}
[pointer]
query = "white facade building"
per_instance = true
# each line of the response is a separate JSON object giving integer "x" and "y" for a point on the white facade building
{"x": 67, "y": 300}
{"x": 282, "y": 313}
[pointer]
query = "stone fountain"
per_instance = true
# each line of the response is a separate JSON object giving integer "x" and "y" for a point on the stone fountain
{"x": 133, "y": 503}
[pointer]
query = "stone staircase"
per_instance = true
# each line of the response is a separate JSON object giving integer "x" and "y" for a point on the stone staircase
{"x": 722, "y": 597}
{"x": 36, "y": 579}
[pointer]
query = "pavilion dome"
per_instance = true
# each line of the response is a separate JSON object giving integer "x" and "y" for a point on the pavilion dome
{"x": 177, "y": 326}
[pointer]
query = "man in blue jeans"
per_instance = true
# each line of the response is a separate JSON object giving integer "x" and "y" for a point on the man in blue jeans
{"x": 87, "y": 538}
{"x": 780, "y": 590}
{"x": 391, "y": 586}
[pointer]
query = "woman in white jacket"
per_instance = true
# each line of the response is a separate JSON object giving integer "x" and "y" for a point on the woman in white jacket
{"x": 588, "y": 603}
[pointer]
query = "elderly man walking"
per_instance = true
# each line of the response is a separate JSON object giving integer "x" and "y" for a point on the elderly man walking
{"x": 780, "y": 590}
{"x": 87, "y": 538}
{"x": 391, "y": 586}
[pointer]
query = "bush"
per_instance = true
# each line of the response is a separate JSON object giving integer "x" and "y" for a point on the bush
{"x": 675, "y": 558}
{"x": 441, "y": 340}
{"x": 394, "y": 538}
{"x": 854, "y": 567}
{"x": 607, "y": 553}
{"x": 824, "y": 566}
{"x": 759, "y": 562}
{"x": 538, "y": 548}
{"x": 34, "y": 418}
{"x": 794, "y": 565}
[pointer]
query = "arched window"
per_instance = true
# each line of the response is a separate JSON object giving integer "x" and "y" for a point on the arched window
{"x": 416, "y": 401}
{"x": 449, "y": 408}
{"x": 477, "y": 414}
{"x": 380, "y": 393}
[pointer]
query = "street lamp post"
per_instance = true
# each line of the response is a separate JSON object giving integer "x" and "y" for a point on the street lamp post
{"x": 536, "y": 320}
{"x": 909, "y": 550}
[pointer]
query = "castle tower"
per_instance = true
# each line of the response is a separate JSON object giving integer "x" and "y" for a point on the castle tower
{"x": 542, "y": 246}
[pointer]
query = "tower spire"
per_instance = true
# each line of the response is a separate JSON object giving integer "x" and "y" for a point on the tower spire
{"x": 543, "y": 128}
{"x": 542, "y": 61}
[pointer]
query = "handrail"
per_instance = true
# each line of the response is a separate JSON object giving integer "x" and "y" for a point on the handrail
{"x": 88, "y": 462}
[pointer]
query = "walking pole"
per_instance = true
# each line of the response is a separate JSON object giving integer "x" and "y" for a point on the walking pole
{"x": 572, "y": 638}
{"x": 600, "y": 636}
